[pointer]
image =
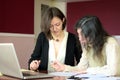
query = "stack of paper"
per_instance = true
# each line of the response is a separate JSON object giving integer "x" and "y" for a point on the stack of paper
{"x": 77, "y": 76}
{"x": 95, "y": 77}
{"x": 63, "y": 73}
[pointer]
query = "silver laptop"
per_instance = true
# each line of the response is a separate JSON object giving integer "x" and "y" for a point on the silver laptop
{"x": 9, "y": 64}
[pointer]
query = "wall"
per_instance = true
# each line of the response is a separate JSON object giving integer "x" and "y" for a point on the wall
{"x": 17, "y": 16}
{"x": 24, "y": 45}
{"x": 118, "y": 38}
{"x": 107, "y": 10}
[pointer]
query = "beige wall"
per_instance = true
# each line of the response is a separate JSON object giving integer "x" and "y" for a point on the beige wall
{"x": 118, "y": 38}
{"x": 24, "y": 45}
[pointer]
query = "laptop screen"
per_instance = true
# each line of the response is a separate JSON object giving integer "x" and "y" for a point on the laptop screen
{"x": 9, "y": 64}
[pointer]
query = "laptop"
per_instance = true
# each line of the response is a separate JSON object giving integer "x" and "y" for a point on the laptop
{"x": 9, "y": 64}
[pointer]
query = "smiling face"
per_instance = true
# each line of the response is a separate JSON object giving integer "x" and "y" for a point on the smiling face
{"x": 56, "y": 26}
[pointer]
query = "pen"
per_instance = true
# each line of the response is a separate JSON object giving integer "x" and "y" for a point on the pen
{"x": 77, "y": 78}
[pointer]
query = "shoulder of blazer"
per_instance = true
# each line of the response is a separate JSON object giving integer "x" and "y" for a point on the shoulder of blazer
{"x": 42, "y": 39}
{"x": 42, "y": 36}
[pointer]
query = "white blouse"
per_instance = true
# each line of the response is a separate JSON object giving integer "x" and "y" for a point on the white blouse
{"x": 110, "y": 64}
{"x": 61, "y": 52}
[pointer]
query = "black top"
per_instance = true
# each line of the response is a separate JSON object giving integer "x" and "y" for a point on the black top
{"x": 73, "y": 51}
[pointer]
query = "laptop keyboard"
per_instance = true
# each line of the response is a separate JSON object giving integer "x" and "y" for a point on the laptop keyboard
{"x": 29, "y": 73}
{"x": 26, "y": 74}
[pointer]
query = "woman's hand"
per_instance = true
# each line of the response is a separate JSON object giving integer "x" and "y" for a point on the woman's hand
{"x": 58, "y": 66}
{"x": 34, "y": 65}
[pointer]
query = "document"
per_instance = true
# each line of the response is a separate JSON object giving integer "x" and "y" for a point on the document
{"x": 63, "y": 73}
{"x": 105, "y": 78}
{"x": 90, "y": 75}
{"x": 94, "y": 77}
{"x": 78, "y": 76}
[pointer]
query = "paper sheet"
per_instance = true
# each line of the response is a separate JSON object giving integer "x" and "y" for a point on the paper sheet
{"x": 96, "y": 77}
{"x": 63, "y": 73}
{"x": 105, "y": 78}
{"x": 91, "y": 75}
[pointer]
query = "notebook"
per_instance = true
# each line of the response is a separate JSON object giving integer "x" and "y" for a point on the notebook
{"x": 9, "y": 64}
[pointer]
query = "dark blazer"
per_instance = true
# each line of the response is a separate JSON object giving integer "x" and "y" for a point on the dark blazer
{"x": 73, "y": 51}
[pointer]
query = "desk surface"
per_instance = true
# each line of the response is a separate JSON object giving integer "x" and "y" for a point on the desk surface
{"x": 4, "y": 77}
{"x": 81, "y": 76}
{"x": 58, "y": 78}
{"x": 12, "y": 78}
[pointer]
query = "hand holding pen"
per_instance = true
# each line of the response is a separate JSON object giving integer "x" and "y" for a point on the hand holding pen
{"x": 34, "y": 65}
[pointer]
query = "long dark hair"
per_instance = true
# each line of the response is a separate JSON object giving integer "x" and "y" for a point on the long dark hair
{"x": 93, "y": 30}
{"x": 48, "y": 16}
